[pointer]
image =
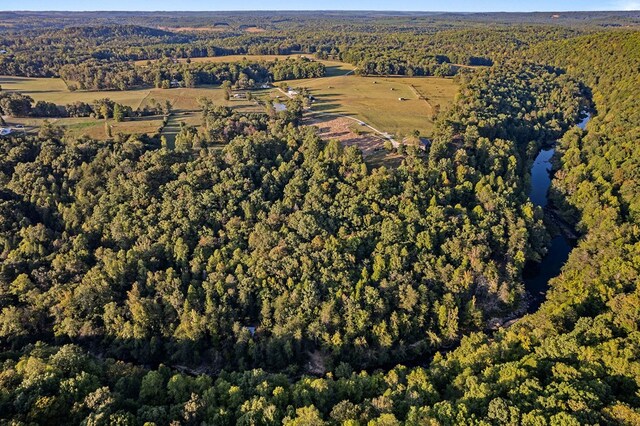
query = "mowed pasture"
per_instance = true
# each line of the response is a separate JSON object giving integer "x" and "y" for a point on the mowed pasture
{"x": 394, "y": 105}
{"x": 55, "y": 90}
{"x": 93, "y": 127}
{"x": 376, "y": 100}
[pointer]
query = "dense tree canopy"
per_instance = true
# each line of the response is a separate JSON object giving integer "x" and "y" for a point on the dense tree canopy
{"x": 257, "y": 274}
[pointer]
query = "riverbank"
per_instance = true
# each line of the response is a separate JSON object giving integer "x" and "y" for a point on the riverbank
{"x": 557, "y": 225}
{"x": 536, "y": 276}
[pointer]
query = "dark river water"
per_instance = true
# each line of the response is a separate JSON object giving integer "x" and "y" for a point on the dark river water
{"x": 537, "y": 275}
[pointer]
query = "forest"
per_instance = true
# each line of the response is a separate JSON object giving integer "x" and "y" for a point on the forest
{"x": 102, "y": 55}
{"x": 257, "y": 274}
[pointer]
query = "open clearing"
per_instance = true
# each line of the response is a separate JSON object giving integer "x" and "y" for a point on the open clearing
{"x": 349, "y": 133}
{"x": 254, "y": 30}
{"x": 376, "y": 100}
{"x": 373, "y": 100}
{"x": 214, "y": 29}
{"x": 92, "y": 127}
{"x": 54, "y": 90}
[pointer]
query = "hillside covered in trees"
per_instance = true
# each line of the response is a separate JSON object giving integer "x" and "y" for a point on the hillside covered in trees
{"x": 257, "y": 274}
{"x": 102, "y": 56}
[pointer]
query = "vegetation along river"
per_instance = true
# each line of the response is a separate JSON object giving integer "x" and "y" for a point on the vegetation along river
{"x": 537, "y": 276}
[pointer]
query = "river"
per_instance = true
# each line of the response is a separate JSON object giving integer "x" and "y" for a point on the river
{"x": 536, "y": 276}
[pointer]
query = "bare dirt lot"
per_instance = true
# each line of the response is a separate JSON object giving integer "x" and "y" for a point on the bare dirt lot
{"x": 349, "y": 133}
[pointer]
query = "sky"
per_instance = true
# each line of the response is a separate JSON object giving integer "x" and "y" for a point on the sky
{"x": 410, "y": 5}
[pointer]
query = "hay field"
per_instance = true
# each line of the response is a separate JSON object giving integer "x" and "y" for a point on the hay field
{"x": 54, "y": 90}
{"x": 394, "y": 105}
{"x": 376, "y": 100}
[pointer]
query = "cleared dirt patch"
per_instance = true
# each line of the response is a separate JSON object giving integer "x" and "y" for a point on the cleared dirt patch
{"x": 348, "y": 132}
{"x": 344, "y": 130}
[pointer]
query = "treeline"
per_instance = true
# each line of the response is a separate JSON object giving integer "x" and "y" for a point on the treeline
{"x": 417, "y": 49}
{"x": 42, "y": 52}
{"x": 244, "y": 74}
{"x": 18, "y": 105}
{"x": 101, "y": 75}
{"x": 222, "y": 124}
{"x": 236, "y": 22}
{"x": 384, "y": 65}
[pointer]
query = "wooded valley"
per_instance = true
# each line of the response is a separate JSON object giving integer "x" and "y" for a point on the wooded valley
{"x": 250, "y": 271}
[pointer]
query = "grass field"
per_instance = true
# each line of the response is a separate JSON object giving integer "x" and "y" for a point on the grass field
{"x": 375, "y": 100}
{"x": 187, "y": 99}
{"x": 54, "y": 90}
{"x": 94, "y": 128}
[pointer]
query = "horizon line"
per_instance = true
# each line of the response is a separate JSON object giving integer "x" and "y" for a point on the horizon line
{"x": 315, "y": 10}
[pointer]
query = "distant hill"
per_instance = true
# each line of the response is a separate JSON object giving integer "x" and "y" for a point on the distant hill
{"x": 284, "y": 19}
{"x": 116, "y": 31}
